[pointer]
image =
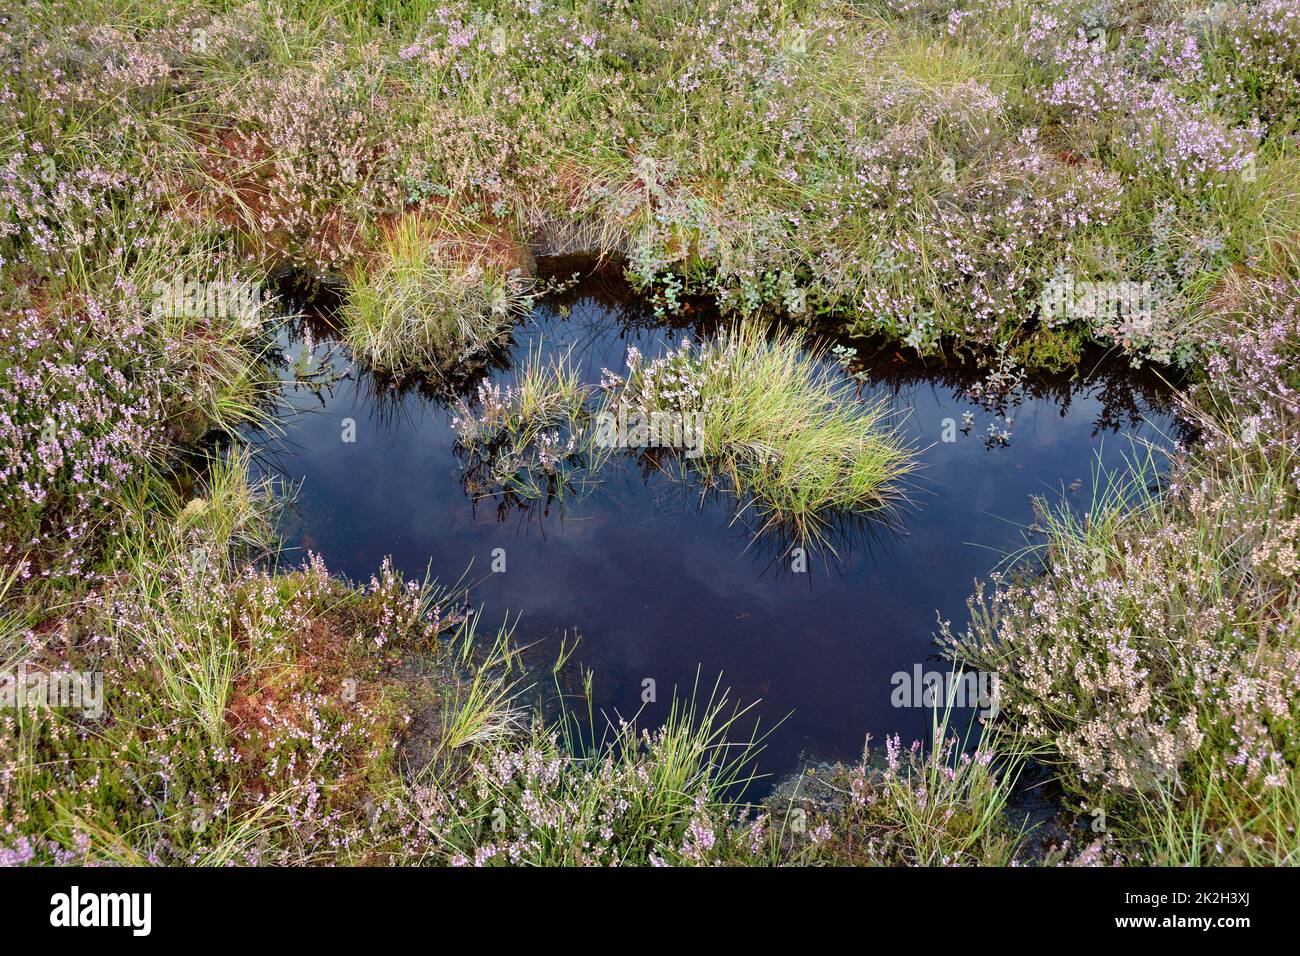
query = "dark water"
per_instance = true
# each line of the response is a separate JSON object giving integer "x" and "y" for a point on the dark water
{"x": 660, "y": 583}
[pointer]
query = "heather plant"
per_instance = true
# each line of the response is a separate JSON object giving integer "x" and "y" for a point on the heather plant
{"x": 305, "y": 167}
{"x": 1252, "y": 67}
{"x": 85, "y": 186}
{"x": 1199, "y": 187}
{"x": 1156, "y": 653}
{"x": 99, "y": 387}
{"x": 907, "y": 202}
{"x": 79, "y": 415}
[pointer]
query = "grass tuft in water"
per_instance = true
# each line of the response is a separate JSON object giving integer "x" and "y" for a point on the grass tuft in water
{"x": 774, "y": 418}
{"x": 431, "y": 303}
{"x": 531, "y": 437}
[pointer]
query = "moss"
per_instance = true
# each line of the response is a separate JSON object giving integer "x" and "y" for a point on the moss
{"x": 1053, "y": 350}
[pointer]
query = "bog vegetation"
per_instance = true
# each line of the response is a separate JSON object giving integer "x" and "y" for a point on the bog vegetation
{"x": 1001, "y": 181}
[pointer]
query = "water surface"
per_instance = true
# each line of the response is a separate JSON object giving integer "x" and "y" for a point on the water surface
{"x": 659, "y": 582}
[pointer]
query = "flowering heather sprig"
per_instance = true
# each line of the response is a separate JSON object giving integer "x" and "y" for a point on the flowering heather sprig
{"x": 677, "y": 381}
{"x": 401, "y": 609}
{"x": 539, "y": 804}
{"x": 78, "y": 420}
{"x": 915, "y": 805}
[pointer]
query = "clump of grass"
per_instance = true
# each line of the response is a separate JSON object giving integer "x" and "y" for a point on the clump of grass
{"x": 1223, "y": 824}
{"x": 946, "y": 804}
{"x": 1118, "y": 497}
{"x": 431, "y": 304}
{"x": 567, "y": 795}
{"x": 179, "y": 610}
{"x": 775, "y": 419}
{"x": 483, "y": 709}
